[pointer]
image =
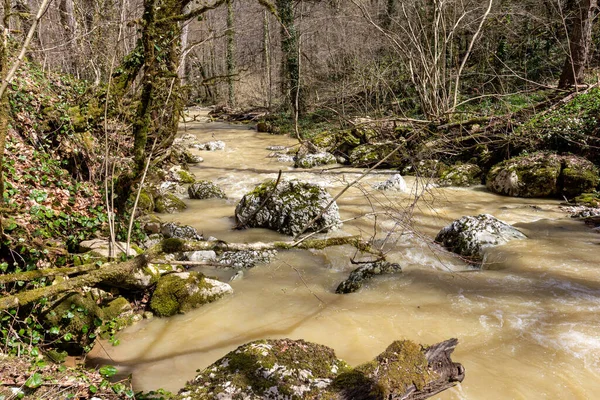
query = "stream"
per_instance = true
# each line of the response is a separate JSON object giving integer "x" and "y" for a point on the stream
{"x": 528, "y": 324}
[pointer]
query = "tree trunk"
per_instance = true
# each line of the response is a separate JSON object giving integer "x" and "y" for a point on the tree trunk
{"x": 291, "y": 59}
{"x": 579, "y": 44}
{"x": 230, "y": 54}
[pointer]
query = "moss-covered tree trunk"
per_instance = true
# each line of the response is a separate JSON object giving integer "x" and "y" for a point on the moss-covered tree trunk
{"x": 291, "y": 58}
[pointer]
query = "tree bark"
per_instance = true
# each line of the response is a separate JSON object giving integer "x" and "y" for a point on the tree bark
{"x": 230, "y": 54}
{"x": 580, "y": 39}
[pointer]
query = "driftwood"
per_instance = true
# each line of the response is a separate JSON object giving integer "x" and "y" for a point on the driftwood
{"x": 123, "y": 274}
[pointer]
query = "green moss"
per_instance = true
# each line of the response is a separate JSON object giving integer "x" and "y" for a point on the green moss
{"x": 146, "y": 202}
{"x": 115, "y": 308}
{"x": 176, "y": 293}
{"x": 172, "y": 245}
{"x": 185, "y": 177}
{"x": 169, "y": 203}
{"x": 588, "y": 199}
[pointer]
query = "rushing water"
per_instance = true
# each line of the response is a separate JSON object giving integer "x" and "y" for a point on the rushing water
{"x": 527, "y": 323}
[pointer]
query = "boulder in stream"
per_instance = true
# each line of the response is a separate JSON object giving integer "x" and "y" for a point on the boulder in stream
{"x": 209, "y": 146}
{"x": 312, "y": 160}
{"x": 469, "y": 236}
{"x": 295, "y": 369}
{"x": 168, "y": 203}
{"x": 287, "y": 207}
{"x": 461, "y": 175}
{"x": 205, "y": 190}
{"x": 395, "y": 182}
{"x": 181, "y": 292}
{"x": 177, "y": 231}
{"x": 365, "y": 272}
{"x": 543, "y": 175}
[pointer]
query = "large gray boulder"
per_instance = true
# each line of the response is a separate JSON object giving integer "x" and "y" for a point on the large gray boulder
{"x": 470, "y": 236}
{"x": 205, "y": 190}
{"x": 288, "y": 207}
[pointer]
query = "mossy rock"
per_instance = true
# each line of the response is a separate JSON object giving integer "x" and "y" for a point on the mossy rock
{"x": 367, "y": 155}
{"x": 543, "y": 175}
{"x": 578, "y": 176}
{"x": 185, "y": 177}
{"x": 184, "y": 291}
{"x": 169, "y": 203}
{"x": 146, "y": 201}
{"x": 282, "y": 369}
{"x": 430, "y": 168}
{"x": 314, "y": 160}
{"x": 534, "y": 175}
{"x": 461, "y": 175}
{"x": 205, "y": 190}
{"x": 588, "y": 199}
{"x": 288, "y": 207}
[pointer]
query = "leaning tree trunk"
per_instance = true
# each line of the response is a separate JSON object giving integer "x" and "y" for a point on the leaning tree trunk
{"x": 579, "y": 44}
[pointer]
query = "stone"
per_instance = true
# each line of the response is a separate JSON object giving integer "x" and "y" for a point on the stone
{"x": 367, "y": 155}
{"x": 543, "y": 175}
{"x": 364, "y": 273}
{"x": 210, "y": 146}
{"x": 177, "y": 231}
{"x": 469, "y": 236}
{"x": 180, "y": 292}
{"x": 288, "y": 207}
{"x": 169, "y": 203}
{"x": 315, "y": 160}
{"x": 205, "y": 190}
{"x": 201, "y": 255}
{"x": 180, "y": 175}
{"x": 267, "y": 369}
{"x": 395, "y": 182}
{"x": 461, "y": 175}
{"x": 246, "y": 259}
{"x": 103, "y": 248}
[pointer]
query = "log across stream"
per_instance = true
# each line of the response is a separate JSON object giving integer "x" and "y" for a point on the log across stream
{"x": 527, "y": 323}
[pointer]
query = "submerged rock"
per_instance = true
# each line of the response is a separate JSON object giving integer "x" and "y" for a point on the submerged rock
{"x": 395, "y": 182}
{"x": 288, "y": 207}
{"x": 294, "y": 369}
{"x": 470, "y": 236}
{"x": 246, "y": 259}
{"x": 315, "y": 160}
{"x": 210, "y": 146}
{"x": 365, "y": 272}
{"x": 543, "y": 175}
{"x": 461, "y": 175}
{"x": 181, "y": 292}
{"x": 205, "y": 190}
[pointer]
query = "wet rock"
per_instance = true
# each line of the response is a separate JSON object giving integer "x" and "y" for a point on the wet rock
{"x": 205, "y": 190}
{"x": 210, "y": 146}
{"x": 295, "y": 369}
{"x": 180, "y": 175}
{"x": 395, "y": 182}
{"x": 461, "y": 175}
{"x": 267, "y": 369}
{"x": 276, "y": 148}
{"x": 288, "y": 207}
{"x": 246, "y": 259}
{"x": 184, "y": 291}
{"x": 430, "y": 168}
{"x": 104, "y": 248}
{"x": 543, "y": 175}
{"x": 367, "y": 155}
{"x": 470, "y": 236}
{"x": 201, "y": 255}
{"x": 169, "y": 203}
{"x": 339, "y": 143}
{"x": 315, "y": 160}
{"x": 364, "y": 273}
{"x": 173, "y": 230}
{"x": 171, "y": 187}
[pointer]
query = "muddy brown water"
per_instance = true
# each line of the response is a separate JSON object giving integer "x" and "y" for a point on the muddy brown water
{"x": 528, "y": 323}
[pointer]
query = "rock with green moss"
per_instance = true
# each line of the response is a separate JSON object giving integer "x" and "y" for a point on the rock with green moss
{"x": 430, "y": 168}
{"x": 178, "y": 174}
{"x": 312, "y": 160}
{"x": 205, "y": 190}
{"x": 168, "y": 203}
{"x": 268, "y": 369}
{"x": 469, "y": 236}
{"x": 339, "y": 143}
{"x": 543, "y": 175}
{"x": 461, "y": 175}
{"x": 588, "y": 199}
{"x": 299, "y": 370}
{"x": 364, "y": 273}
{"x": 367, "y": 155}
{"x": 578, "y": 176}
{"x": 146, "y": 201}
{"x": 184, "y": 291}
{"x": 288, "y": 207}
